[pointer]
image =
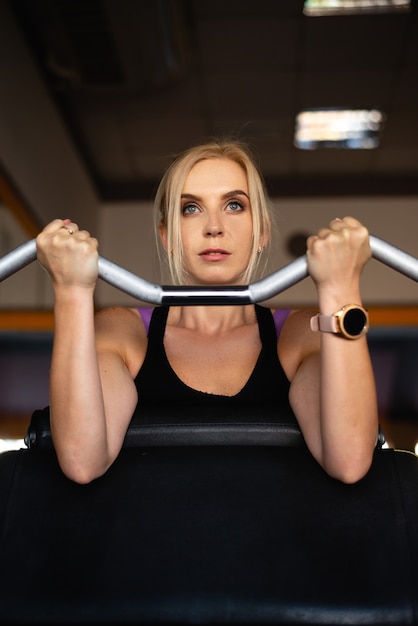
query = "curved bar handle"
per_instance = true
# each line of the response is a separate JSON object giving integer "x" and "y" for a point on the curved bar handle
{"x": 17, "y": 259}
{"x": 263, "y": 289}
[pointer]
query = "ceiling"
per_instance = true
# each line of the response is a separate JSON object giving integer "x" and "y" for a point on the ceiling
{"x": 136, "y": 81}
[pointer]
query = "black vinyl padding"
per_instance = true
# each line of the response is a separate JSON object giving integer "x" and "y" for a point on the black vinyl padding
{"x": 209, "y": 535}
{"x": 192, "y": 426}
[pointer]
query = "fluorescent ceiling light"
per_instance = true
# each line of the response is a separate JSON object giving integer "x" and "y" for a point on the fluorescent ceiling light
{"x": 355, "y": 129}
{"x": 314, "y": 8}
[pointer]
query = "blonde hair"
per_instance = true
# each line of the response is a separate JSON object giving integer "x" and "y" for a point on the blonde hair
{"x": 167, "y": 206}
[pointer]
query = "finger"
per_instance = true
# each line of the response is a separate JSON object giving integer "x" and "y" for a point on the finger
{"x": 351, "y": 221}
{"x": 314, "y": 242}
{"x": 70, "y": 227}
{"x": 337, "y": 221}
{"x": 323, "y": 233}
{"x": 310, "y": 241}
{"x": 54, "y": 226}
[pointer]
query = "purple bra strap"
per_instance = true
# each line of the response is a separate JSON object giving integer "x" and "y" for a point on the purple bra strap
{"x": 279, "y": 316}
{"x": 145, "y": 313}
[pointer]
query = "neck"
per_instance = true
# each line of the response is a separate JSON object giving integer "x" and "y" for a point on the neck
{"x": 212, "y": 319}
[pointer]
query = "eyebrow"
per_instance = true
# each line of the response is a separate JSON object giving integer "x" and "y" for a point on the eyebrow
{"x": 228, "y": 194}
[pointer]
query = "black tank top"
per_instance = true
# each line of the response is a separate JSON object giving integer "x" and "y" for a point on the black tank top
{"x": 158, "y": 384}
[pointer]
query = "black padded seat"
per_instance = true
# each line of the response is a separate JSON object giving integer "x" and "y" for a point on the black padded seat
{"x": 212, "y": 534}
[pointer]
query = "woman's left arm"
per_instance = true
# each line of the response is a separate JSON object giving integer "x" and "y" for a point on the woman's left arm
{"x": 333, "y": 392}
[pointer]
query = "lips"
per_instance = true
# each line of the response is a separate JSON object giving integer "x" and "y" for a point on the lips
{"x": 214, "y": 254}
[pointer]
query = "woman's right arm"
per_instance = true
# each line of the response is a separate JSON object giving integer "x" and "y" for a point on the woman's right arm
{"x": 92, "y": 393}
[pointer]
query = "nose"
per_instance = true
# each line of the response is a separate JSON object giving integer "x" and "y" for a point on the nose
{"x": 214, "y": 231}
{"x": 213, "y": 227}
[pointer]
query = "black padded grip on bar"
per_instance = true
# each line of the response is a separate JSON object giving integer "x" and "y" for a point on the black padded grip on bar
{"x": 173, "y": 295}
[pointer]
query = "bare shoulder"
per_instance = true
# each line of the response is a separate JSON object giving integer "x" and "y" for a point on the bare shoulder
{"x": 120, "y": 330}
{"x": 297, "y": 341}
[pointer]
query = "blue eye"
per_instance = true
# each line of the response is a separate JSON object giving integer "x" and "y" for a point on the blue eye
{"x": 234, "y": 206}
{"x": 190, "y": 209}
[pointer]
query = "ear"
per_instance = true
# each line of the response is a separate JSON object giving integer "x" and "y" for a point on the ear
{"x": 163, "y": 235}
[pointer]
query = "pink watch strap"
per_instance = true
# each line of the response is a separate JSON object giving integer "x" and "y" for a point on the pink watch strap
{"x": 324, "y": 323}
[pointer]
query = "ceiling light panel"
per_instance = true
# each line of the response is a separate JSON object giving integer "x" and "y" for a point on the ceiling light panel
{"x": 317, "y": 8}
{"x": 355, "y": 129}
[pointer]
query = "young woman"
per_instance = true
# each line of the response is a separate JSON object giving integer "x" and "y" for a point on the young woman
{"x": 213, "y": 221}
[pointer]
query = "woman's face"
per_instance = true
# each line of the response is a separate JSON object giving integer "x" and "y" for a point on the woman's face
{"x": 216, "y": 223}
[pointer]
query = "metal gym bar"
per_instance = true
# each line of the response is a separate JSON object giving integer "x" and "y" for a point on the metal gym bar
{"x": 263, "y": 289}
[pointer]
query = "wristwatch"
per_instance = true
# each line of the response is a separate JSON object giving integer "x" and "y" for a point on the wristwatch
{"x": 351, "y": 321}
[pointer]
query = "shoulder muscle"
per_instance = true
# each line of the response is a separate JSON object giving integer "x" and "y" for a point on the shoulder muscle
{"x": 297, "y": 341}
{"x": 121, "y": 331}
